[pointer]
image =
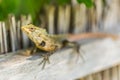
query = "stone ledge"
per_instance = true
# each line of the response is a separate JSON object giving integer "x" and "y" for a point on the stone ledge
{"x": 98, "y": 55}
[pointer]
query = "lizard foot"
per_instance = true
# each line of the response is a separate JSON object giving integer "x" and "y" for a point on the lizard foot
{"x": 76, "y": 50}
{"x": 75, "y": 47}
{"x": 45, "y": 59}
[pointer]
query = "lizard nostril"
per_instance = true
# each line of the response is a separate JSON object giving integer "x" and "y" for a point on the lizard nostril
{"x": 31, "y": 29}
{"x": 22, "y": 28}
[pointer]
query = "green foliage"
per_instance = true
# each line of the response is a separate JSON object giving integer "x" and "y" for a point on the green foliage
{"x": 32, "y": 7}
{"x": 19, "y": 7}
{"x": 62, "y": 2}
{"x": 6, "y": 7}
{"x": 29, "y": 7}
{"x": 88, "y": 3}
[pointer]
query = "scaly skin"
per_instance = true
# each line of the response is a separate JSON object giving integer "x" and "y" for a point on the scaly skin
{"x": 51, "y": 43}
{"x": 41, "y": 39}
{"x": 47, "y": 42}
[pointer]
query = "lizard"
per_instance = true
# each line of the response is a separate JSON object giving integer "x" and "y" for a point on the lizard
{"x": 51, "y": 43}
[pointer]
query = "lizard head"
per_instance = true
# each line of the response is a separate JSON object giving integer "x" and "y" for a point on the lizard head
{"x": 40, "y": 37}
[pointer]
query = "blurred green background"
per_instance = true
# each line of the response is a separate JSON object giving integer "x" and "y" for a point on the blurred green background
{"x": 33, "y": 7}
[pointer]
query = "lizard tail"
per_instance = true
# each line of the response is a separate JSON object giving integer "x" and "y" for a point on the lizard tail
{"x": 76, "y": 37}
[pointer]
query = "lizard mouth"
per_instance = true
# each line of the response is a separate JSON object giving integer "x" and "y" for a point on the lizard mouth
{"x": 22, "y": 28}
{"x": 25, "y": 30}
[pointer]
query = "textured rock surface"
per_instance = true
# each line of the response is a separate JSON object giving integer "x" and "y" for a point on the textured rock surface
{"x": 64, "y": 65}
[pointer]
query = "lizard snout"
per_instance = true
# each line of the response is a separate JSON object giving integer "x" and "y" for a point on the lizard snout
{"x": 22, "y": 28}
{"x": 25, "y": 30}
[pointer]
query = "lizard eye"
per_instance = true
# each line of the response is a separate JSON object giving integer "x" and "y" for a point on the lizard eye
{"x": 42, "y": 43}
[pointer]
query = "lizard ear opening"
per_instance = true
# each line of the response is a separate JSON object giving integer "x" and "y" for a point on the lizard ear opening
{"x": 42, "y": 44}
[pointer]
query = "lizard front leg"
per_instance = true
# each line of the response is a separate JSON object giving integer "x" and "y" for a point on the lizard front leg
{"x": 45, "y": 59}
{"x": 33, "y": 51}
{"x": 45, "y": 56}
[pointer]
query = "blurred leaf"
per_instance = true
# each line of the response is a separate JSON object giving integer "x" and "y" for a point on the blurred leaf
{"x": 88, "y": 3}
{"x": 6, "y": 7}
{"x": 19, "y": 7}
{"x": 33, "y": 7}
{"x": 62, "y": 2}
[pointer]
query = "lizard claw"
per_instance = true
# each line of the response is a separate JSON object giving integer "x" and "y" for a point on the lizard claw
{"x": 78, "y": 52}
{"x": 75, "y": 47}
{"x": 45, "y": 59}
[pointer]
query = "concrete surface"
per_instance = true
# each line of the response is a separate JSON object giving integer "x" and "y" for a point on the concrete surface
{"x": 64, "y": 64}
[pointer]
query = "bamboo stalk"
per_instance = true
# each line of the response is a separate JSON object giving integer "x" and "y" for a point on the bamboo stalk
{"x": 67, "y": 18}
{"x": 63, "y": 19}
{"x": 106, "y": 75}
{"x": 118, "y": 72}
{"x": 111, "y": 14}
{"x": 5, "y": 37}
{"x": 13, "y": 36}
{"x": 80, "y": 18}
{"x": 51, "y": 10}
{"x": 25, "y": 39}
{"x": 97, "y": 76}
{"x": 1, "y": 39}
{"x": 114, "y": 73}
{"x": 89, "y": 77}
{"x": 19, "y": 39}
